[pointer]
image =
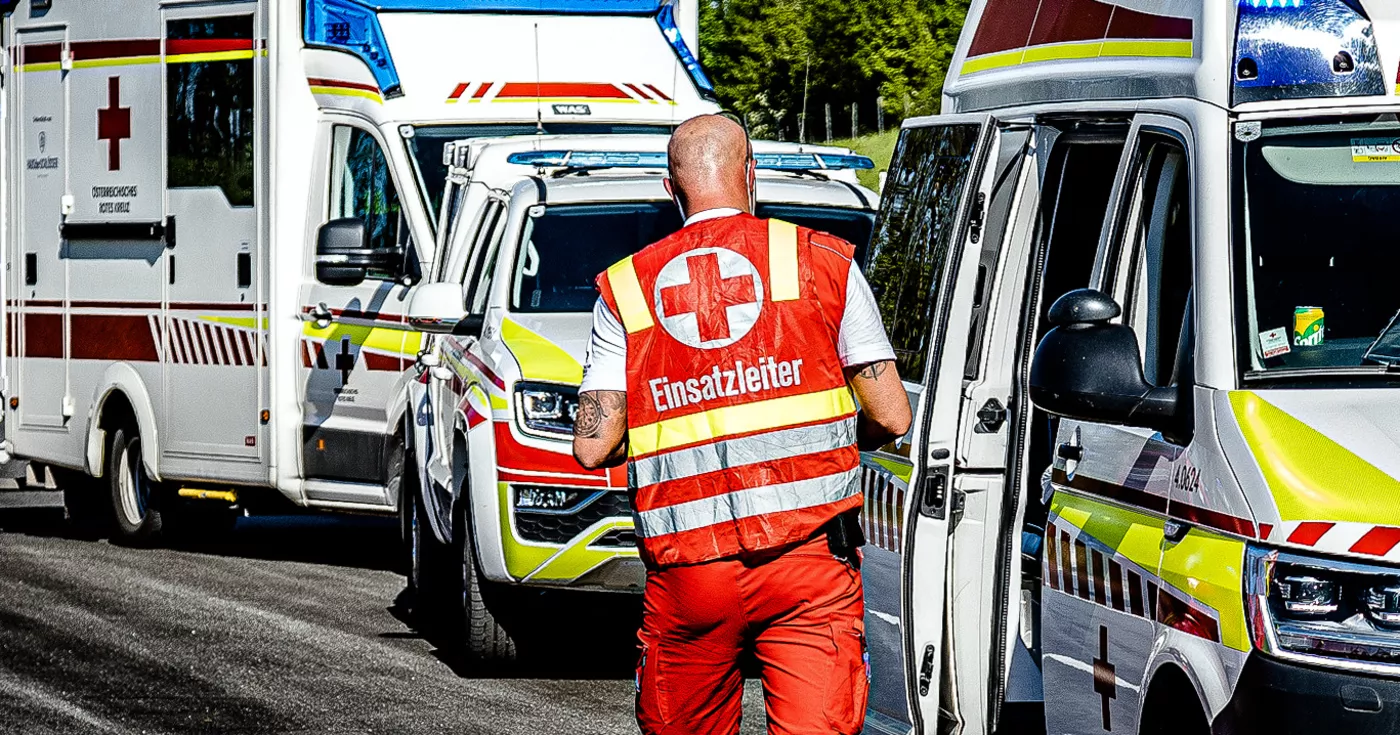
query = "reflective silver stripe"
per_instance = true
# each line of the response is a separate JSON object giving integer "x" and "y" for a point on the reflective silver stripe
{"x": 774, "y": 445}
{"x": 747, "y": 503}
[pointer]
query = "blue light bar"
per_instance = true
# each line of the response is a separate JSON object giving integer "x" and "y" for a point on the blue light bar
{"x": 353, "y": 27}
{"x": 657, "y": 159}
{"x": 810, "y": 161}
{"x": 589, "y": 159}
{"x": 552, "y": 7}
{"x": 666, "y": 18}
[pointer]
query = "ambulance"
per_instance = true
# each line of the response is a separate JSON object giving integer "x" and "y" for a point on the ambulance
{"x": 504, "y": 511}
{"x": 1140, "y": 279}
{"x": 214, "y": 212}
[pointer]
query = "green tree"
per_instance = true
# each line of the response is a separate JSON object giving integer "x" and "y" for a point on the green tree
{"x": 769, "y": 58}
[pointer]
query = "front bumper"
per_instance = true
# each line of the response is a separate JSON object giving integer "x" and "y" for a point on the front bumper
{"x": 1274, "y": 697}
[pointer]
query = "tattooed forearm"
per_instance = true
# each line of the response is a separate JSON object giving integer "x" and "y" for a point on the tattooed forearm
{"x": 874, "y": 370}
{"x": 596, "y": 409}
{"x": 590, "y": 416}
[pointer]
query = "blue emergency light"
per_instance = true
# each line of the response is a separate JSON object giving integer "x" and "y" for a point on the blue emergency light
{"x": 657, "y": 159}
{"x": 353, "y": 26}
{"x": 1295, "y": 49}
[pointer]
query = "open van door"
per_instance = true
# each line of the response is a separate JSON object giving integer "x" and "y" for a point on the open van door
{"x": 934, "y": 205}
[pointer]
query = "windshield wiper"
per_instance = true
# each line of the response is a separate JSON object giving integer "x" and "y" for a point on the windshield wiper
{"x": 1383, "y": 372}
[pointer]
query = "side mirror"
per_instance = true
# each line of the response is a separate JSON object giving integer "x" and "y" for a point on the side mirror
{"x": 344, "y": 256}
{"x": 438, "y": 308}
{"x": 1089, "y": 369}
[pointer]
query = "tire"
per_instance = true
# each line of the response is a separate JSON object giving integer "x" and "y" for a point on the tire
{"x": 430, "y": 571}
{"x": 85, "y": 502}
{"x": 1172, "y": 707}
{"x": 136, "y": 499}
{"x": 483, "y": 603}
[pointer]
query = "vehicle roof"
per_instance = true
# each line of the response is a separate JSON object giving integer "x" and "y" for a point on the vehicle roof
{"x": 632, "y": 187}
{"x": 488, "y": 156}
{"x": 1014, "y": 53}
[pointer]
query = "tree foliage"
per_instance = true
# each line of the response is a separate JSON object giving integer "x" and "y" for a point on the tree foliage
{"x": 766, "y": 56}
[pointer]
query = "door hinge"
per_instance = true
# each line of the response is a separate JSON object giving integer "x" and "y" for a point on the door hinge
{"x": 926, "y": 671}
{"x": 990, "y": 417}
{"x": 974, "y": 220}
{"x": 934, "y": 499}
{"x": 959, "y": 503}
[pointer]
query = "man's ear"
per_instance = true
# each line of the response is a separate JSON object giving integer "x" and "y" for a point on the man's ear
{"x": 670, "y": 190}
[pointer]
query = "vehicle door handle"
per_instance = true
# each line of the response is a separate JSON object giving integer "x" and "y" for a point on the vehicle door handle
{"x": 321, "y": 314}
{"x": 1070, "y": 452}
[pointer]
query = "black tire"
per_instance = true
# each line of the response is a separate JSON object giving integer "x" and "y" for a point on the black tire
{"x": 430, "y": 572}
{"x": 85, "y": 502}
{"x": 1172, "y": 707}
{"x": 136, "y": 499}
{"x": 483, "y": 603}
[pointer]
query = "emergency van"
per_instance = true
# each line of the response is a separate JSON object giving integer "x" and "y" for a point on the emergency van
{"x": 1140, "y": 281}
{"x": 215, "y": 210}
{"x": 527, "y": 224}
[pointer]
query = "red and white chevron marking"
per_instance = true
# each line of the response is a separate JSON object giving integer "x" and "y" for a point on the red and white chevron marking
{"x": 1365, "y": 539}
{"x": 197, "y": 342}
{"x": 882, "y": 518}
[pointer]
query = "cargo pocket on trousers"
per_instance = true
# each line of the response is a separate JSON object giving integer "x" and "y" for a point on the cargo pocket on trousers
{"x": 650, "y": 716}
{"x": 849, "y": 686}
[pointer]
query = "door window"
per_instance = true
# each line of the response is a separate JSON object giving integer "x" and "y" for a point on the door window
{"x": 362, "y": 187}
{"x": 1157, "y": 253}
{"x": 482, "y": 270}
{"x": 210, "y": 111}
{"x": 909, "y": 252}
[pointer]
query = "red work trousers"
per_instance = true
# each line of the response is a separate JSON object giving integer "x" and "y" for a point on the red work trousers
{"x": 800, "y": 613}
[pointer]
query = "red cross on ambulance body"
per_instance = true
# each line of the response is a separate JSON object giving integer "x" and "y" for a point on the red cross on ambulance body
{"x": 709, "y": 295}
{"x": 114, "y": 123}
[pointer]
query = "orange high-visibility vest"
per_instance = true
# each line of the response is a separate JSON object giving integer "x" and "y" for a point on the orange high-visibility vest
{"x": 741, "y": 428}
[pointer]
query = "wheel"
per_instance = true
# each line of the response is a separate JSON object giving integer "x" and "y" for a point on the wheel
{"x": 136, "y": 499}
{"x": 430, "y": 572}
{"x": 484, "y": 603}
{"x": 84, "y": 502}
{"x": 1172, "y": 707}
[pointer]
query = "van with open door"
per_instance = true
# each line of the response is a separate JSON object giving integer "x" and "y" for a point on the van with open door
{"x": 213, "y": 213}
{"x": 1138, "y": 280}
{"x": 501, "y": 512}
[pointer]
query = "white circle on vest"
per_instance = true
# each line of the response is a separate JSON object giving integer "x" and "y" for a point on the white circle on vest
{"x": 708, "y": 297}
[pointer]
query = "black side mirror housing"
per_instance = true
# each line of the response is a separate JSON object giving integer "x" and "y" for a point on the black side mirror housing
{"x": 1088, "y": 369}
{"x": 344, "y": 256}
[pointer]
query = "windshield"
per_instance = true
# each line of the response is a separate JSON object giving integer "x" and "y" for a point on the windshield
{"x": 425, "y": 147}
{"x": 565, "y": 248}
{"x": 1317, "y": 254}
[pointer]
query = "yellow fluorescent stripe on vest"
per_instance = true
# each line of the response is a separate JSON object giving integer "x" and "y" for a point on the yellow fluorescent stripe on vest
{"x": 782, "y": 260}
{"x": 627, "y": 291}
{"x": 774, "y": 413}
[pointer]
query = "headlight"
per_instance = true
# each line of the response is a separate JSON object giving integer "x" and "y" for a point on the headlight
{"x": 546, "y": 408}
{"x": 1324, "y": 611}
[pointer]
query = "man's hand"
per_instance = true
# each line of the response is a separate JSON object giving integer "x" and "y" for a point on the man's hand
{"x": 600, "y": 430}
{"x": 884, "y": 414}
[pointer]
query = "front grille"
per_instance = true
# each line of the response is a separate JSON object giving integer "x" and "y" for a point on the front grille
{"x": 618, "y": 538}
{"x": 560, "y": 529}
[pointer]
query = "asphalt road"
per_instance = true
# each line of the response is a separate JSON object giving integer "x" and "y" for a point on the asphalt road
{"x": 287, "y": 625}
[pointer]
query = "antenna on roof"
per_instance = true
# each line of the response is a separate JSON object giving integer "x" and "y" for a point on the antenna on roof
{"x": 539, "y": 105}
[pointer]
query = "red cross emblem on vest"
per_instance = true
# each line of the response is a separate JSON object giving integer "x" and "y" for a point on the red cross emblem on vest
{"x": 709, "y": 297}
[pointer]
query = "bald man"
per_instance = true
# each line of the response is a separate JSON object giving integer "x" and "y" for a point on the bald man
{"x": 721, "y": 367}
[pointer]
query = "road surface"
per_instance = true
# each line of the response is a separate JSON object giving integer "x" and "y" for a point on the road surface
{"x": 288, "y": 625}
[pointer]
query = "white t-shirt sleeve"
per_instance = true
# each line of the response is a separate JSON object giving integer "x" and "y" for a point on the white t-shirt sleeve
{"x": 606, "y": 366}
{"x": 862, "y": 339}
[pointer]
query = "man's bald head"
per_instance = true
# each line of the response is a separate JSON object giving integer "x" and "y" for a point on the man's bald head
{"x": 709, "y": 159}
